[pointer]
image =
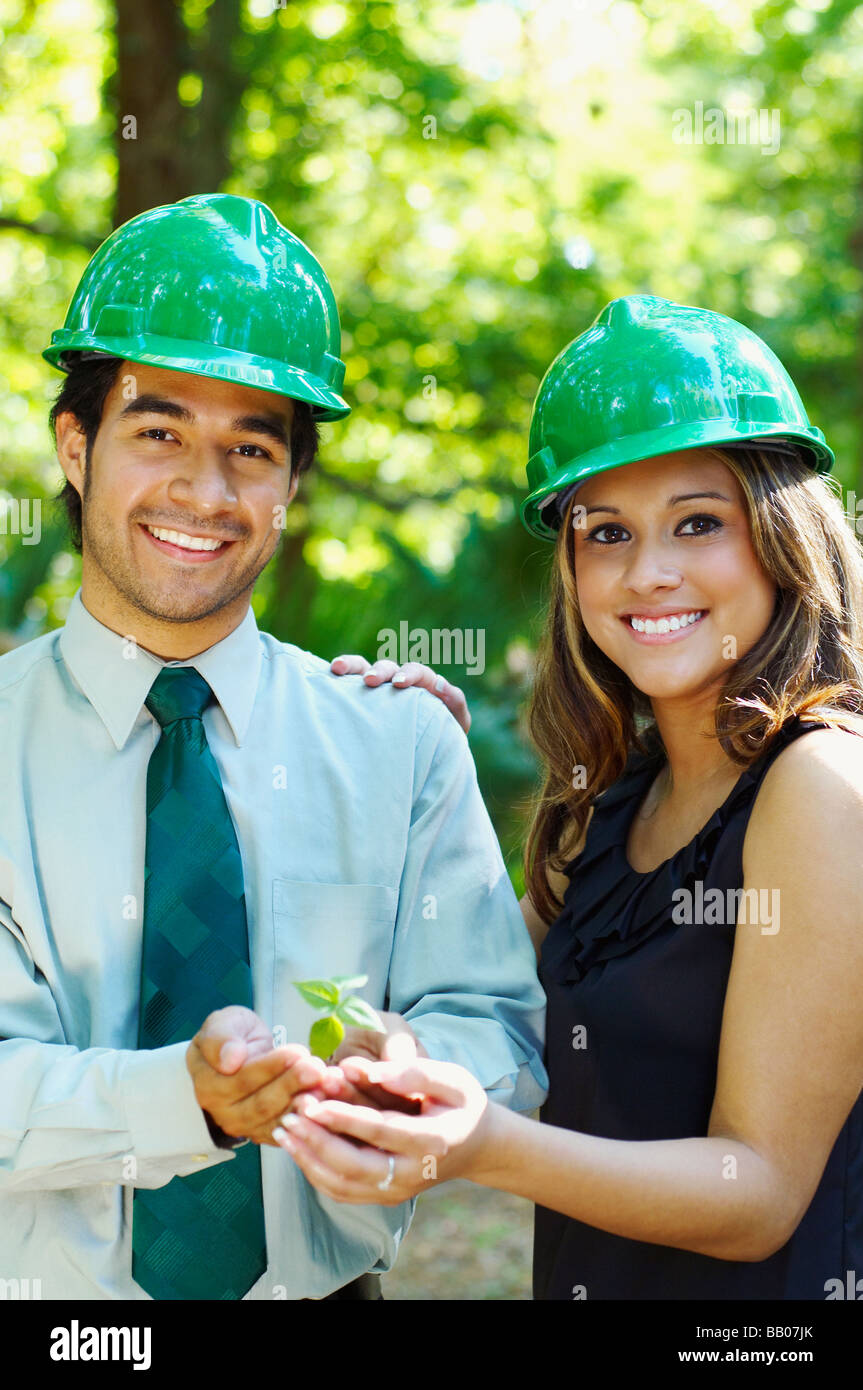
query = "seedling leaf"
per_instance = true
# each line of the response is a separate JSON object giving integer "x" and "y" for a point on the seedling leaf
{"x": 356, "y": 1011}
{"x": 325, "y": 1036}
{"x": 321, "y": 994}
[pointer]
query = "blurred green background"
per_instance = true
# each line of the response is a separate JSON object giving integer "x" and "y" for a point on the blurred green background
{"x": 478, "y": 180}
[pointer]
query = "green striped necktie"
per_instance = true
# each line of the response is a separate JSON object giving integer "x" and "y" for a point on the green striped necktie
{"x": 201, "y": 1236}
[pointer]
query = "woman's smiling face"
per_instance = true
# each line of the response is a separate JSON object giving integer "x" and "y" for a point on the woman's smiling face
{"x": 646, "y": 546}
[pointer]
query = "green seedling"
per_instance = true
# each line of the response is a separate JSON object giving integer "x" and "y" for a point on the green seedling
{"x": 342, "y": 1007}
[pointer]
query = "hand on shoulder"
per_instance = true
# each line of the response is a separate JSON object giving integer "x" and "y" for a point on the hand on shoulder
{"x": 413, "y": 673}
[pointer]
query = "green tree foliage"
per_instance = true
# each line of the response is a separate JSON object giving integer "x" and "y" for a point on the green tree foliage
{"x": 478, "y": 179}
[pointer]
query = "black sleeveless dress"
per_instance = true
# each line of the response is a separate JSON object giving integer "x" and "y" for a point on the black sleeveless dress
{"x": 634, "y": 1014}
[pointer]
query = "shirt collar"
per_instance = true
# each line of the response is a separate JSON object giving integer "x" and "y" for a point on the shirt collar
{"x": 116, "y": 675}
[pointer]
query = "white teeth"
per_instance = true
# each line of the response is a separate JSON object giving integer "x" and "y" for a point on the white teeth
{"x": 672, "y": 624}
{"x": 180, "y": 538}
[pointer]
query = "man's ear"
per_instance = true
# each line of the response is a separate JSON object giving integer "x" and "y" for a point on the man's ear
{"x": 71, "y": 449}
{"x": 292, "y": 490}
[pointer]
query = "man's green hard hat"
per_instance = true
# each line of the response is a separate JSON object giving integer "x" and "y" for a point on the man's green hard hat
{"x": 213, "y": 285}
{"x": 652, "y": 377}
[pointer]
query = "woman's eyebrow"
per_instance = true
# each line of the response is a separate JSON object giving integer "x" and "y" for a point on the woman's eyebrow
{"x": 672, "y": 501}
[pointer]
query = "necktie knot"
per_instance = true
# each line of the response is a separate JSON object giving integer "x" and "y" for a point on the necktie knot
{"x": 178, "y": 692}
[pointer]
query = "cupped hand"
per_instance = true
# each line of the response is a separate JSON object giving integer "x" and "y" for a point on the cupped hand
{"x": 412, "y": 673}
{"x": 244, "y": 1083}
{"x": 398, "y": 1043}
{"x": 405, "y": 1153}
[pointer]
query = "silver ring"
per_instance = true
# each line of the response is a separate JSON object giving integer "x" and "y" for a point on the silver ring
{"x": 382, "y": 1186}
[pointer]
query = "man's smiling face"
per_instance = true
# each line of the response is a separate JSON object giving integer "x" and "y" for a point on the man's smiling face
{"x": 208, "y": 462}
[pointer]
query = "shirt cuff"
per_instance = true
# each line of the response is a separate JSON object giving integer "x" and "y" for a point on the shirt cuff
{"x": 506, "y": 1072}
{"x": 162, "y": 1110}
{"x": 219, "y": 1137}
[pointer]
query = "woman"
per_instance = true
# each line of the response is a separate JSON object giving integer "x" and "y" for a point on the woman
{"x": 697, "y": 708}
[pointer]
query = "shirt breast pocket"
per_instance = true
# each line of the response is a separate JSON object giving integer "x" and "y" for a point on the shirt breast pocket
{"x": 326, "y": 929}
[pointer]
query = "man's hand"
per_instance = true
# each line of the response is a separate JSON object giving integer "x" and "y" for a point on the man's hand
{"x": 244, "y": 1083}
{"x": 398, "y": 1044}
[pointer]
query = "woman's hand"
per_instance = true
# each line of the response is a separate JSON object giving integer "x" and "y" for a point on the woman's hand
{"x": 444, "y": 1141}
{"x": 410, "y": 674}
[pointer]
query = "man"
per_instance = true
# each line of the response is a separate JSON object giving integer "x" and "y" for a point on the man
{"x": 195, "y": 815}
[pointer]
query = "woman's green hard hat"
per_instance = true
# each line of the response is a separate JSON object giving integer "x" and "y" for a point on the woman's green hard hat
{"x": 652, "y": 377}
{"x": 213, "y": 285}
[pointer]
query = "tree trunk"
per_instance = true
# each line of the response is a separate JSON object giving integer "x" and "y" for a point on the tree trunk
{"x": 152, "y": 153}
{"x": 165, "y": 150}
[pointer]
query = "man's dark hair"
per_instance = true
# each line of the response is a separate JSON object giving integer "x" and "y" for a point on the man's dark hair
{"x": 84, "y": 392}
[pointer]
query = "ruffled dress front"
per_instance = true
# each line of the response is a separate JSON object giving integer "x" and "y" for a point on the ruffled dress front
{"x": 636, "y": 974}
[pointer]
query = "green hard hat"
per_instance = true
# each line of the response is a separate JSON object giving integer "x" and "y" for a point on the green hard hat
{"x": 213, "y": 285}
{"x": 651, "y": 377}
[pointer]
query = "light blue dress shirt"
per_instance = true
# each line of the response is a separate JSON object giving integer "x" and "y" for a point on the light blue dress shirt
{"x": 366, "y": 849}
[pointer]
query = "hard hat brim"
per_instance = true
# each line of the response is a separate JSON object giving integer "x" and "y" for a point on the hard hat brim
{"x": 537, "y": 512}
{"x": 202, "y": 359}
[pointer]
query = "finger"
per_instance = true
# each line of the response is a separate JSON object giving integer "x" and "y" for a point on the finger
{"x": 232, "y": 1055}
{"x": 263, "y": 1133}
{"x": 345, "y": 1091}
{"x": 332, "y": 1080}
{"x": 333, "y": 1086}
{"x": 303, "y": 1104}
{"x": 250, "y": 1115}
{"x": 414, "y": 673}
{"x": 349, "y": 665}
{"x": 383, "y": 1129}
{"x": 380, "y": 671}
{"x": 455, "y": 701}
{"x": 358, "y": 1168}
{"x": 268, "y": 1102}
{"x": 310, "y": 1166}
{"x": 382, "y": 1098}
{"x": 332, "y": 1182}
{"x": 435, "y": 1080}
{"x": 374, "y": 1096}
{"x": 234, "y": 1023}
{"x": 399, "y": 1047}
{"x": 359, "y": 1070}
{"x": 255, "y": 1073}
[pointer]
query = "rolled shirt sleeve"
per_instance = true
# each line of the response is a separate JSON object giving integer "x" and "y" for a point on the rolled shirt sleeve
{"x": 463, "y": 969}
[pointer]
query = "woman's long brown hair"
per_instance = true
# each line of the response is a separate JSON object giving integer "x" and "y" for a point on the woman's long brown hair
{"x": 586, "y": 714}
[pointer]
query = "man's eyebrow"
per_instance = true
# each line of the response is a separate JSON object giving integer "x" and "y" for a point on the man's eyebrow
{"x": 157, "y": 405}
{"x": 672, "y": 501}
{"x": 272, "y": 426}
